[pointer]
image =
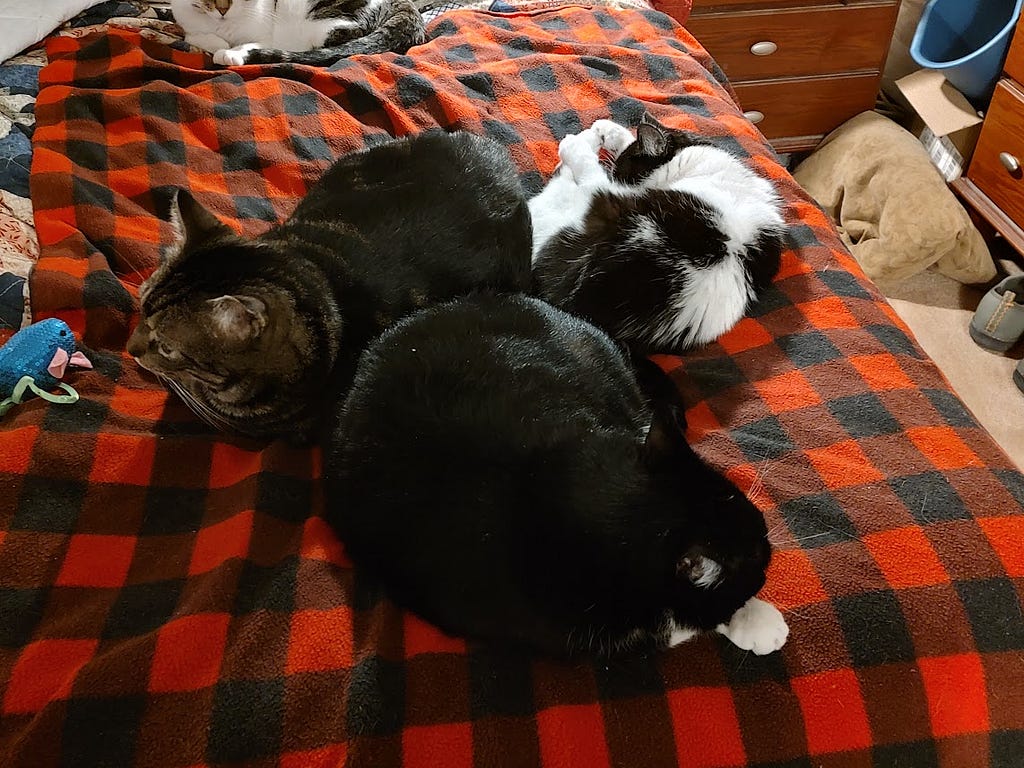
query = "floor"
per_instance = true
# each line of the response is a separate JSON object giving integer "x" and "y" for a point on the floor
{"x": 938, "y": 311}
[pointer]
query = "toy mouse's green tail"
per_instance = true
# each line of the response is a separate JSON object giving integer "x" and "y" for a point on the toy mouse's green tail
{"x": 27, "y": 383}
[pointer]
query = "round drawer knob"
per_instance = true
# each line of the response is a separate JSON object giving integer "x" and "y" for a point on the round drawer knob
{"x": 765, "y": 48}
{"x": 754, "y": 116}
{"x": 1010, "y": 163}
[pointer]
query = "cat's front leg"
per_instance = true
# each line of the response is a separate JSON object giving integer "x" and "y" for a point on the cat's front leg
{"x": 235, "y": 57}
{"x": 757, "y": 626}
{"x": 578, "y": 155}
{"x": 208, "y": 41}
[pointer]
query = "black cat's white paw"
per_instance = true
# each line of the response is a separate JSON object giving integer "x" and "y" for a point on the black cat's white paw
{"x": 234, "y": 57}
{"x": 758, "y": 627}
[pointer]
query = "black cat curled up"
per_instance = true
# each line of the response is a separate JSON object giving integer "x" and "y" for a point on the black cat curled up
{"x": 497, "y": 468}
{"x": 260, "y": 336}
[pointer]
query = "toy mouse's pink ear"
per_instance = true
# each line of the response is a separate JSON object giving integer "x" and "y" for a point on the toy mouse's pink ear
{"x": 58, "y": 363}
{"x": 80, "y": 360}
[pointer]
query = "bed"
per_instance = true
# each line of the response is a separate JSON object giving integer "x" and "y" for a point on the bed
{"x": 170, "y": 597}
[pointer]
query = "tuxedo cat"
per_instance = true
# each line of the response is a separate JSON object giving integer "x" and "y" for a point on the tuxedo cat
{"x": 665, "y": 253}
{"x": 314, "y": 32}
{"x": 496, "y": 468}
{"x": 257, "y": 336}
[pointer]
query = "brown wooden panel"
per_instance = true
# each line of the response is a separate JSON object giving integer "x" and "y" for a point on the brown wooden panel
{"x": 811, "y": 41}
{"x": 1015, "y": 58}
{"x": 1001, "y": 133}
{"x": 703, "y": 6}
{"x": 807, "y": 106}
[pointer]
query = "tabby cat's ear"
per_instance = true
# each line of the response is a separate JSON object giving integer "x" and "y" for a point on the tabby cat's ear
{"x": 238, "y": 318}
{"x": 191, "y": 225}
{"x": 653, "y": 139}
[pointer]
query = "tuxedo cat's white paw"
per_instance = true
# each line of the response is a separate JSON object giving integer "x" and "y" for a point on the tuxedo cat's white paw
{"x": 757, "y": 626}
{"x": 578, "y": 154}
{"x": 234, "y": 57}
{"x": 612, "y": 136}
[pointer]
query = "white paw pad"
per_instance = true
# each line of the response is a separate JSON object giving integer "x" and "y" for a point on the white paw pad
{"x": 758, "y": 627}
{"x": 234, "y": 57}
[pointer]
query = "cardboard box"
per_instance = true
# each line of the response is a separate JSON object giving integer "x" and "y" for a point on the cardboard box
{"x": 945, "y": 121}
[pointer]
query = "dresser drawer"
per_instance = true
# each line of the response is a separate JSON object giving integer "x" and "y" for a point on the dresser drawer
{"x": 761, "y": 44}
{"x": 810, "y": 106}
{"x": 1001, "y": 148}
{"x": 1015, "y": 58}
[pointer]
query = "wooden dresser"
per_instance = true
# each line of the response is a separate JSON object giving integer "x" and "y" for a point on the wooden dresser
{"x": 800, "y": 67}
{"x": 994, "y": 186}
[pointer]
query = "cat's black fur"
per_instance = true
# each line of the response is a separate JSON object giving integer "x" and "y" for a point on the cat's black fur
{"x": 497, "y": 468}
{"x": 259, "y": 336}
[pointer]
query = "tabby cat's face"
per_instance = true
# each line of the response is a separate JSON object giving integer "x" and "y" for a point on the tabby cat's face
{"x": 224, "y": 342}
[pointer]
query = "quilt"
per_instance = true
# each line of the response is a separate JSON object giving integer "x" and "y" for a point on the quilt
{"x": 171, "y": 597}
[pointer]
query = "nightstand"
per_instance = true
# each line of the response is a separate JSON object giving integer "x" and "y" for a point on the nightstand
{"x": 800, "y": 68}
{"x": 994, "y": 187}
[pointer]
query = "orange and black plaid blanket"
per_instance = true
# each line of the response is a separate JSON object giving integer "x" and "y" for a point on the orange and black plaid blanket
{"x": 170, "y": 597}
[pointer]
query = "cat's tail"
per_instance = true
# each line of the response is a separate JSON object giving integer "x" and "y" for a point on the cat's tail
{"x": 399, "y": 32}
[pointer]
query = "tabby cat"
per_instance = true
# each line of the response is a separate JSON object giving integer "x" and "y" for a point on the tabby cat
{"x": 665, "y": 253}
{"x": 314, "y": 32}
{"x": 496, "y": 468}
{"x": 256, "y": 334}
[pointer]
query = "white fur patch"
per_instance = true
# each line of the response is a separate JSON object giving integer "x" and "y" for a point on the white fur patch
{"x": 710, "y": 573}
{"x": 757, "y": 626}
{"x": 283, "y": 24}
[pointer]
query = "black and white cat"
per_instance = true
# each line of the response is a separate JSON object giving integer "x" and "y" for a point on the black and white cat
{"x": 665, "y": 253}
{"x": 314, "y": 32}
{"x": 496, "y": 467}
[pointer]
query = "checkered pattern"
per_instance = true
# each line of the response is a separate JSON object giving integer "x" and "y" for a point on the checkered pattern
{"x": 167, "y": 600}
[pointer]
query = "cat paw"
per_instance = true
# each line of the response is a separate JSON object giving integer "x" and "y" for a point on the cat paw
{"x": 758, "y": 627}
{"x": 577, "y": 153}
{"x": 612, "y": 136}
{"x": 234, "y": 57}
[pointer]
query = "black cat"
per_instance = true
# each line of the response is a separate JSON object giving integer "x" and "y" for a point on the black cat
{"x": 497, "y": 468}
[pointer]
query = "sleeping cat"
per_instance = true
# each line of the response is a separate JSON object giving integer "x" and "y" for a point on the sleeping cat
{"x": 314, "y": 32}
{"x": 497, "y": 469}
{"x": 666, "y": 254}
{"x": 255, "y": 334}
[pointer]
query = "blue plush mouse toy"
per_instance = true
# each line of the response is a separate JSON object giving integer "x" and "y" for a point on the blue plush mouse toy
{"x": 34, "y": 360}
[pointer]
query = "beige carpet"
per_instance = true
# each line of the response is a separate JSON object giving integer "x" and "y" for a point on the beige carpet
{"x": 938, "y": 311}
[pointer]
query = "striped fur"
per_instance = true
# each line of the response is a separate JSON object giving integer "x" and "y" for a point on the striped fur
{"x": 258, "y": 336}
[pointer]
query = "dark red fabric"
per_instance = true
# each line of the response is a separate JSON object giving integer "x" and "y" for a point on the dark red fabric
{"x": 169, "y": 597}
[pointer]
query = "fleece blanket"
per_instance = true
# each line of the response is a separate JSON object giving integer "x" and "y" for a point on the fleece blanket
{"x": 171, "y": 597}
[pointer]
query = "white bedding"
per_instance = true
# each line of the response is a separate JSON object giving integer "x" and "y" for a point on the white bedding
{"x": 26, "y": 22}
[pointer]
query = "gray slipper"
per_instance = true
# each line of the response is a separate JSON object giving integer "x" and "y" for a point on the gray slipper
{"x": 1018, "y": 375}
{"x": 998, "y": 322}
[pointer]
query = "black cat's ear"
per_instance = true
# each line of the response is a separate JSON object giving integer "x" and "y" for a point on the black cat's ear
{"x": 652, "y": 138}
{"x": 665, "y": 444}
{"x": 238, "y": 318}
{"x": 191, "y": 225}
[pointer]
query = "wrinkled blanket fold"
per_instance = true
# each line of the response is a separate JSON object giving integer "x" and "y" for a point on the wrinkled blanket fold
{"x": 170, "y": 597}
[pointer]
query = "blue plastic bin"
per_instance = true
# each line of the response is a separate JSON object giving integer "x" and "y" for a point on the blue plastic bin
{"x": 967, "y": 41}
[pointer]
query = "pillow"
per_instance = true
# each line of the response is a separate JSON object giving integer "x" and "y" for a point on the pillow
{"x": 893, "y": 208}
{"x": 26, "y": 22}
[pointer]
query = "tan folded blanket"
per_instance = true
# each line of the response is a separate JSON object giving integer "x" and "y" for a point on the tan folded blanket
{"x": 893, "y": 209}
